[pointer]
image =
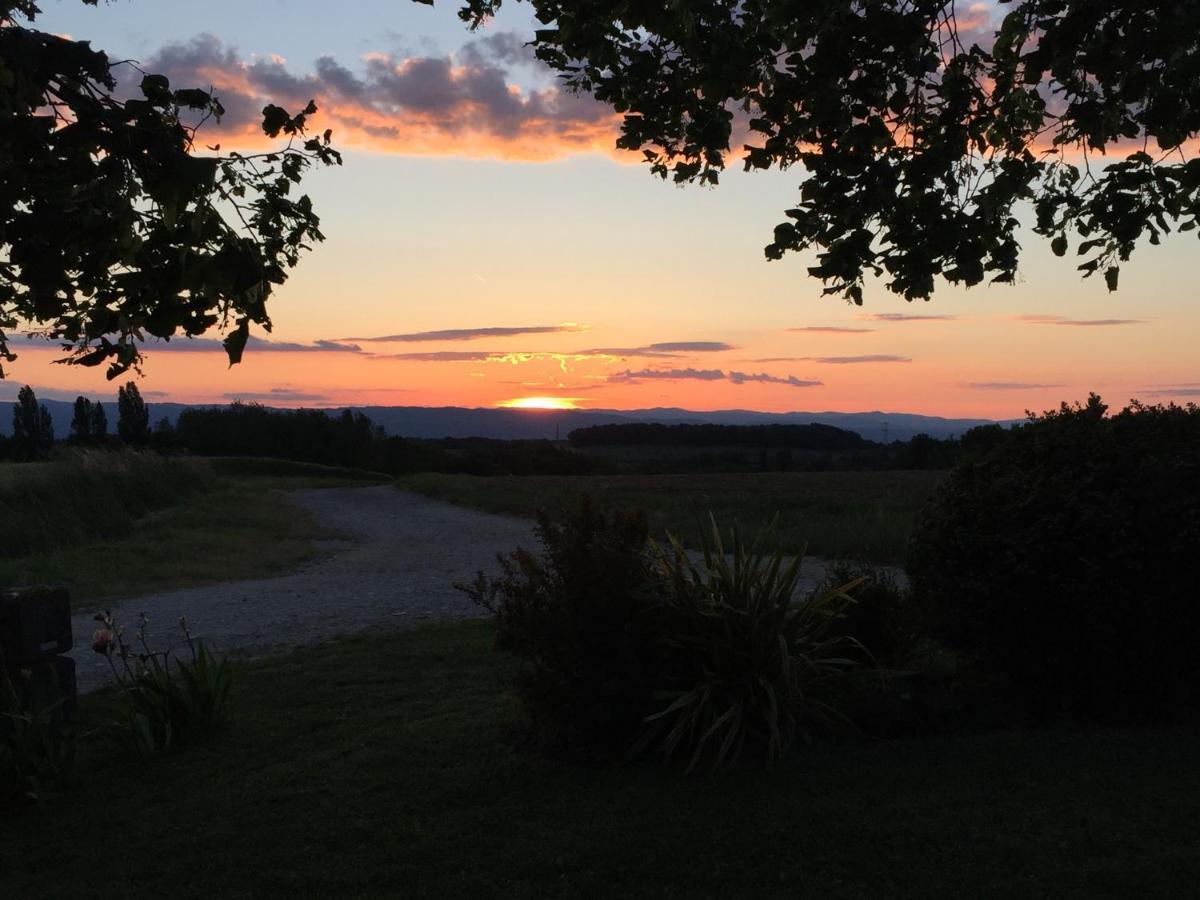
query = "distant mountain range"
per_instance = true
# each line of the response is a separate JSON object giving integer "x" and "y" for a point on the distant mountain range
{"x": 516, "y": 424}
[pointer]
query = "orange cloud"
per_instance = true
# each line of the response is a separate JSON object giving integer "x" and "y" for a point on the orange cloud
{"x": 709, "y": 375}
{"x": 465, "y": 105}
{"x": 468, "y": 334}
{"x": 829, "y": 329}
{"x": 1077, "y": 323}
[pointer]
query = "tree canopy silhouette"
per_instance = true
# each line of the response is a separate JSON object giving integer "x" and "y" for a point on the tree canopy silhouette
{"x": 82, "y": 420}
{"x": 919, "y": 131}
{"x": 133, "y": 415}
{"x": 33, "y": 427}
{"x": 114, "y": 224}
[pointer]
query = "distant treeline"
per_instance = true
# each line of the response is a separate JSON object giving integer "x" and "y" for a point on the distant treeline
{"x": 785, "y": 448}
{"x": 351, "y": 439}
{"x": 306, "y": 435}
{"x": 33, "y": 436}
{"x": 793, "y": 437}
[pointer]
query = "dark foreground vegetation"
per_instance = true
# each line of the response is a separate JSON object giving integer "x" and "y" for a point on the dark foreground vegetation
{"x": 386, "y": 765}
{"x": 1049, "y": 583}
{"x": 1018, "y": 720}
{"x": 631, "y": 647}
{"x": 1063, "y": 562}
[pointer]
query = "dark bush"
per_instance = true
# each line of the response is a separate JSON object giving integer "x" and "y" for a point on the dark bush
{"x": 744, "y": 665}
{"x": 624, "y": 651}
{"x": 882, "y": 618}
{"x": 1062, "y": 559}
{"x": 573, "y": 618}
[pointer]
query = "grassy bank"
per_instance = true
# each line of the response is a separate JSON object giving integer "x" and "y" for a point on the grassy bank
{"x": 116, "y": 525}
{"x": 865, "y": 515}
{"x": 384, "y": 765}
{"x": 90, "y": 495}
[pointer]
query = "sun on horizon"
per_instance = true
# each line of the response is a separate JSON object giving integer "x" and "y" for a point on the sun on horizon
{"x": 539, "y": 403}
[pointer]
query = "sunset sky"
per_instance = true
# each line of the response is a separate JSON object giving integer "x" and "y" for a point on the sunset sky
{"x": 485, "y": 244}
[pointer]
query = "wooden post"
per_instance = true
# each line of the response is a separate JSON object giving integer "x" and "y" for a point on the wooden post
{"x": 35, "y": 635}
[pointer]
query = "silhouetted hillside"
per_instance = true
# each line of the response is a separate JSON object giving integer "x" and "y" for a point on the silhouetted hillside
{"x": 526, "y": 424}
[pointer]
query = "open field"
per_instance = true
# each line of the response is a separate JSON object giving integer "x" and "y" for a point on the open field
{"x": 119, "y": 525}
{"x": 865, "y": 515}
{"x": 289, "y": 474}
{"x": 385, "y": 765}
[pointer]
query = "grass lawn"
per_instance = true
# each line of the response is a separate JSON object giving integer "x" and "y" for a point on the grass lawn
{"x": 240, "y": 525}
{"x": 863, "y": 515}
{"x": 383, "y": 765}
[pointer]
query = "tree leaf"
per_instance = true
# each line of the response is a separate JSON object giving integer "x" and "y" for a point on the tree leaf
{"x": 235, "y": 342}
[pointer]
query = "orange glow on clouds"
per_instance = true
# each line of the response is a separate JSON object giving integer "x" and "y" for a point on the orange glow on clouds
{"x": 427, "y": 106}
{"x": 538, "y": 141}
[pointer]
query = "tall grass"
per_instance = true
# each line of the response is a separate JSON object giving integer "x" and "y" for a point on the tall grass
{"x": 90, "y": 495}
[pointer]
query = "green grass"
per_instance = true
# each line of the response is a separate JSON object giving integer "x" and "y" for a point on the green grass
{"x": 232, "y": 533}
{"x": 384, "y": 766}
{"x": 230, "y": 521}
{"x": 862, "y": 515}
{"x": 87, "y": 495}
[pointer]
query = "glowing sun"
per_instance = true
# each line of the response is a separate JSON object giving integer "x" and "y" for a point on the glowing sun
{"x": 540, "y": 403}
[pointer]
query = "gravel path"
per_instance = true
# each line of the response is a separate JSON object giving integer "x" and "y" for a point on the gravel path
{"x": 400, "y": 557}
{"x": 397, "y": 562}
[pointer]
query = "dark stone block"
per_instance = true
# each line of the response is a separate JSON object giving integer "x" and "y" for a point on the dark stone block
{"x": 35, "y": 623}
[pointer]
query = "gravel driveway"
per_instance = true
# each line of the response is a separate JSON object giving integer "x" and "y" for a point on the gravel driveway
{"x": 399, "y": 558}
{"x": 397, "y": 562}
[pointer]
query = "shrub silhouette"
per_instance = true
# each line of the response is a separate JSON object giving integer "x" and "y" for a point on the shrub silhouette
{"x": 1062, "y": 557}
{"x": 626, "y": 646}
{"x": 882, "y": 618}
{"x": 574, "y": 617}
{"x": 745, "y": 665}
